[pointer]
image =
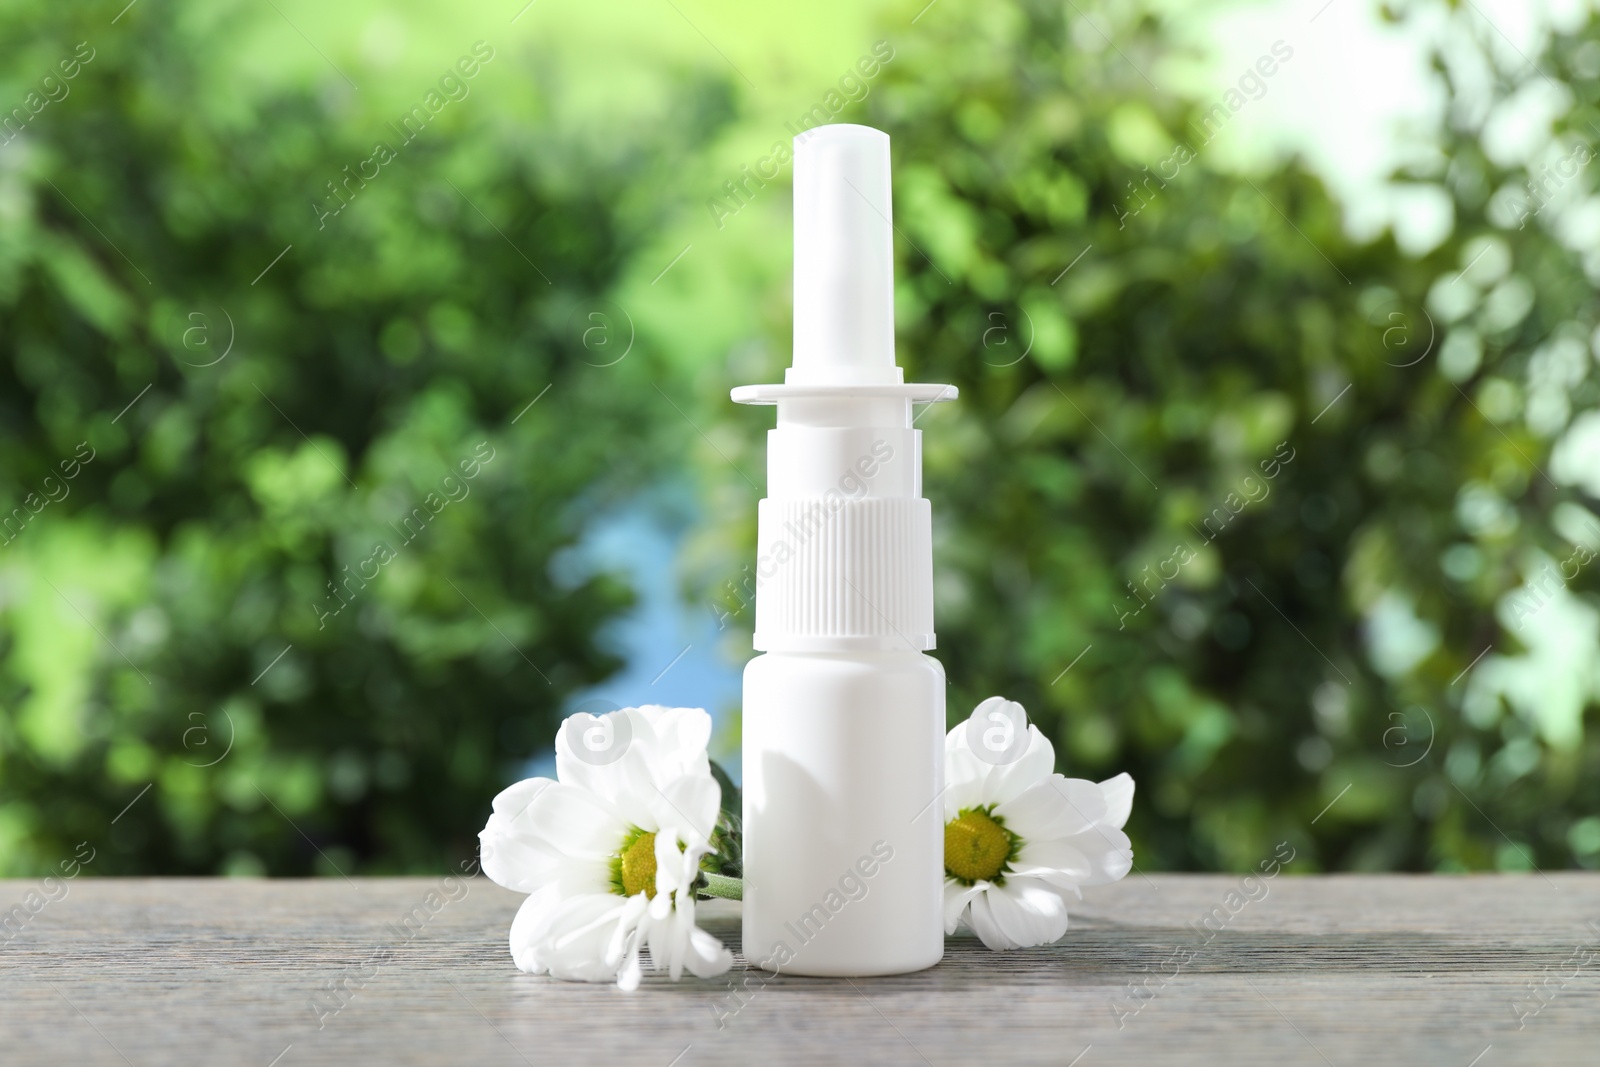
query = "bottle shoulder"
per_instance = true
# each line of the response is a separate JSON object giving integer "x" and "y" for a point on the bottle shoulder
{"x": 777, "y": 665}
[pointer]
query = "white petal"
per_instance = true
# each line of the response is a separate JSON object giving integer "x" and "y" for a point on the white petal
{"x": 682, "y": 929}
{"x": 1028, "y": 912}
{"x": 708, "y": 957}
{"x": 995, "y": 710}
{"x": 675, "y": 942}
{"x": 1009, "y": 780}
{"x": 661, "y": 778}
{"x": 628, "y": 976}
{"x": 543, "y": 832}
{"x": 658, "y": 931}
{"x": 586, "y": 933}
{"x": 666, "y": 746}
{"x": 529, "y": 928}
{"x": 964, "y": 774}
{"x": 1110, "y": 854}
{"x": 689, "y": 805}
{"x": 513, "y": 799}
{"x": 625, "y": 932}
{"x": 956, "y": 898}
{"x": 661, "y": 743}
{"x": 1055, "y": 807}
{"x": 1068, "y": 832}
{"x": 981, "y": 918}
{"x": 626, "y": 953}
{"x": 680, "y": 736}
{"x": 1118, "y": 794}
{"x": 610, "y": 781}
{"x": 1058, "y": 861}
{"x": 970, "y": 782}
{"x": 568, "y": 937}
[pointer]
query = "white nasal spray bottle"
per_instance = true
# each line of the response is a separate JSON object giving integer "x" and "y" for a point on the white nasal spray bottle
{"x": 844, "y": 714}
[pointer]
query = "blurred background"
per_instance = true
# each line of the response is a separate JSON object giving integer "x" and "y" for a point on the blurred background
{"x": 364, "y": 406}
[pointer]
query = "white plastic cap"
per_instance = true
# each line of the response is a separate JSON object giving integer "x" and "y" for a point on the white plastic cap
{"x": 843, "y": 259}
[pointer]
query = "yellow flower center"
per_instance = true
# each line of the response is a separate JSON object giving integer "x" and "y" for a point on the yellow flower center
{"x": 637, "y": 867}
{"x": 976, "y": 846}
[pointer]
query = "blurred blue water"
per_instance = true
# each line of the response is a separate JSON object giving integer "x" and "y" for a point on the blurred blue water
{"x": 675, "y": 654}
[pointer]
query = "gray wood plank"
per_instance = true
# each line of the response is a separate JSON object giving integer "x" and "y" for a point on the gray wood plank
{"x": 1337, "y": 969}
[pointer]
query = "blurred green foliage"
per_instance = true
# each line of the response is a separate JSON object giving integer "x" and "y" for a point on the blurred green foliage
{"x": 1312, "y": 642}
{"x": 303, "y": 584}
{"x": 1275, "y": 496}
{"x": 1267, "y": 492}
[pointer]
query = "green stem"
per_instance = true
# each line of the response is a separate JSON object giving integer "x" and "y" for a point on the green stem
{"x": 720, "y": 885}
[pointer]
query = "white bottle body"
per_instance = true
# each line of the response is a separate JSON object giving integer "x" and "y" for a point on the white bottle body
{"x": 843, "y": 835}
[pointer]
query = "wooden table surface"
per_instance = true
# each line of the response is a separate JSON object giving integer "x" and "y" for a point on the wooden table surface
{"x": 1475, "y": 971}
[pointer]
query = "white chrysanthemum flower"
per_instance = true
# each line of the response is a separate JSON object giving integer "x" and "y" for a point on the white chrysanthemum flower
{"x": 1018, "y": 838}
{"x": 610, "y": 851}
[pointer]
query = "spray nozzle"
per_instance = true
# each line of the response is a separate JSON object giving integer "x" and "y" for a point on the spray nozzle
{"x": 843, "y": 259}
{"x": 843, "y": 286}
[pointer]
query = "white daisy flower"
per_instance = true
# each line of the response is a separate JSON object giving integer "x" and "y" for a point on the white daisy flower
{"x": 610, "y": 851}
{"x": 1019, "y": 838}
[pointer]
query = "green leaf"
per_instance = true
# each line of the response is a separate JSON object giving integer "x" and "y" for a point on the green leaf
{"x": 719, "y": 885}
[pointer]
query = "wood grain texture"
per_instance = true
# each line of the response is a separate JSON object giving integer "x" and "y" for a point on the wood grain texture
{"x": 1337, "y": 970}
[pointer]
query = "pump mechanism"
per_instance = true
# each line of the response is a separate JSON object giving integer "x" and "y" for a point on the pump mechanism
{"x": 845, "y": 553}
{"x": 843, "y": 274}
